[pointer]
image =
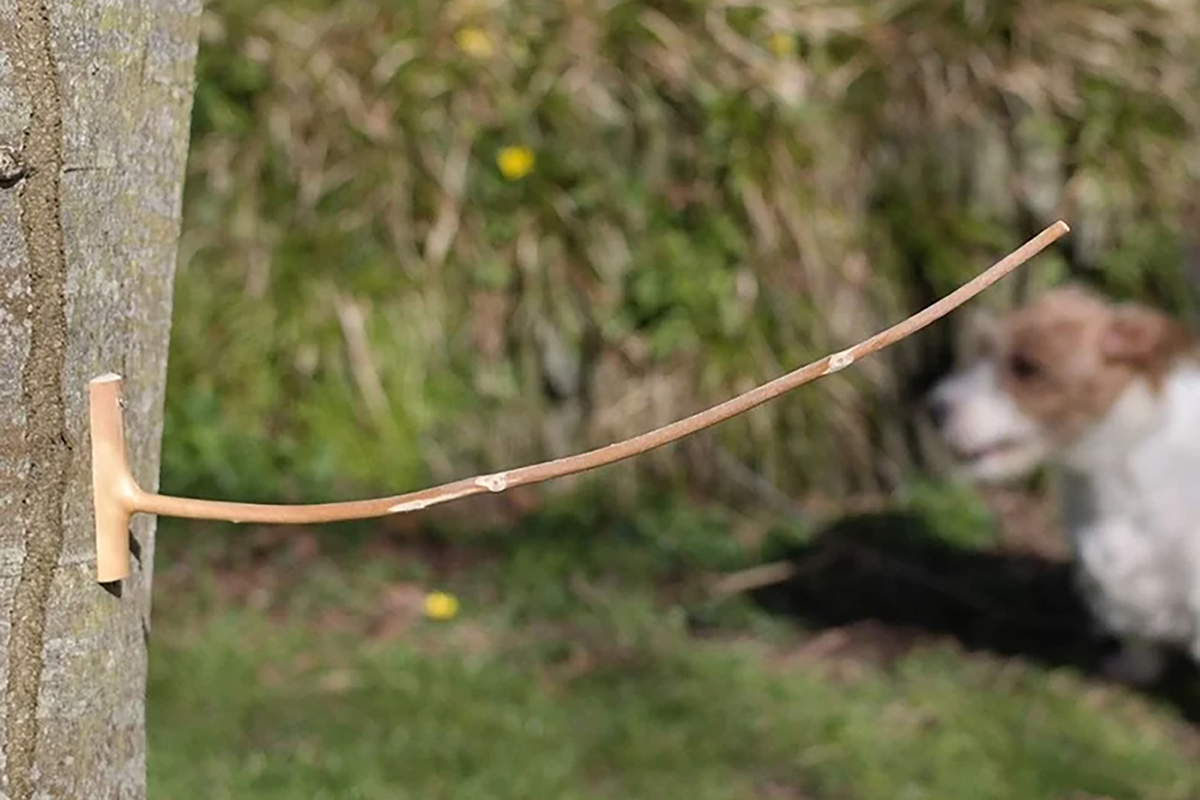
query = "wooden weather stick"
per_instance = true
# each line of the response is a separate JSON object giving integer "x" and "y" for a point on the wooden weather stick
{"x": 117, "y": 496}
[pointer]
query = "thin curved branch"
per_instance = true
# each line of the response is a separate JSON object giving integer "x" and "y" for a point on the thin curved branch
{"x": 117, "y": 496}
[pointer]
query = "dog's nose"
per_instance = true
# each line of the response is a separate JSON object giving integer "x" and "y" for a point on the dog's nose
{"x": 938, "y": 410}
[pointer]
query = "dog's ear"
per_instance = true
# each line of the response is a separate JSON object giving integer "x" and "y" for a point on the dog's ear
{"x": 1144, "y": 338}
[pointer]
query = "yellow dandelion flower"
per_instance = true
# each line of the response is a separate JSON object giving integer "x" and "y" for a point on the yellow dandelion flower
{"x": 782, "y": 44}
{"x": 440, "y": 605}
{"x": 474, "y": 42}
{"x": 515, "y": 162}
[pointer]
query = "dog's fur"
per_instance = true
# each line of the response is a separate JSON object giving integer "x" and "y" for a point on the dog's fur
{"x": 1109, "y": 394}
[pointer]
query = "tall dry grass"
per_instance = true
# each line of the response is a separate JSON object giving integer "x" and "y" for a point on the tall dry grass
{"x": 718, "y": 192}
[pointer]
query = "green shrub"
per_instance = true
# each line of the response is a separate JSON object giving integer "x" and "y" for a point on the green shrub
{"x": 716, "y": 194}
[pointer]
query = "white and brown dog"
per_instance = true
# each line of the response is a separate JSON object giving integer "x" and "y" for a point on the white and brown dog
{"x": 1110, "y": 395}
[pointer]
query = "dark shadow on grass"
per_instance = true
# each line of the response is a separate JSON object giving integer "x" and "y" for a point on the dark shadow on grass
{"x": 888, "y": 583}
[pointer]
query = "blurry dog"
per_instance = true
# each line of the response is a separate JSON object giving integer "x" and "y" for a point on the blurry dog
{"x": 1110, "y": 395}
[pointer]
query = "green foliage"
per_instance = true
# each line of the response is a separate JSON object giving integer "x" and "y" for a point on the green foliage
{"x": 375, "y": 293}
{"x": 954, "y": 512}
{"x": 568, "y": 673}
{"x": 717, "y": 194}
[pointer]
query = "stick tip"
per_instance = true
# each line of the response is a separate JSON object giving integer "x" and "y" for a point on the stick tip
{"x": 1061, "y": 226}
{"x": 108, "y": 377}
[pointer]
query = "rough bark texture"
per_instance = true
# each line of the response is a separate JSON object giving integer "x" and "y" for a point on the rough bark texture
{"x": 95, "y": 101}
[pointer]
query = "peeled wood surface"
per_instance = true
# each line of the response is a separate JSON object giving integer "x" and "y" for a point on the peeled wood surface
{"x": 95, "y": 98}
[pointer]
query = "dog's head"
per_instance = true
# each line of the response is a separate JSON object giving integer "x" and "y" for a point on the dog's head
{"x": 1044, "y": 375}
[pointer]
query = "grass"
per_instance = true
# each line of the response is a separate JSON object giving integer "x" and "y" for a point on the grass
{"x": 573, "y": 670}
{"x": 718, "y": 192}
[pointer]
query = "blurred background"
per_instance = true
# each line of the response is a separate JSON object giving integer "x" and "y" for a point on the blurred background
{"x": 429, "y": 239}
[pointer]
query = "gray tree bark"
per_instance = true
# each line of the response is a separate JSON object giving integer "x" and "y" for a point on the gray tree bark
{"x": 95, "y": 104}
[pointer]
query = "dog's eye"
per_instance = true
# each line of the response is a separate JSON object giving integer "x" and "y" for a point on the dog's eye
{"x": 1022, "y": 368}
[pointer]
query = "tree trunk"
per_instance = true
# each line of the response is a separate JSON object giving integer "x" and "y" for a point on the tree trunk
{"x": 95, "y": 103}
